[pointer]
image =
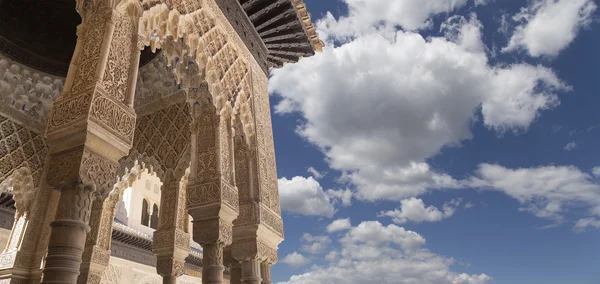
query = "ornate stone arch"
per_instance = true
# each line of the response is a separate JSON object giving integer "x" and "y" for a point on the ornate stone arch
{"x": 198, "y": 38}
{"x": 131, "y": 167}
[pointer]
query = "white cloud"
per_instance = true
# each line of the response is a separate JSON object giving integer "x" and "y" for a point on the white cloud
{"x": 365, "y": 16}
{"x": 584, "y": 224}
{"x": 339, "y": 225}
{"x": 315, "y": 244}
{"x": 547, "y": 192}
{"x": 304, "y": 196}
{"x": 373, "y": 253}
{"x": 570, "y": 146}
{"x": 316, "y": 174}
{"x": 548, "y": 26}
{"x": 423, "y": 95}
{"x": 342, "y": 195}
{"x": 331, "y": 256}
{"x": 414, "y": 210}
{"x": 295, "y": 260}
{"x": 596, "y": 171}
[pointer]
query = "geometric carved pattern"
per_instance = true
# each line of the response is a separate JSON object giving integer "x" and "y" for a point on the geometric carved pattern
{"x": 20, "y": 147}
{"x": 164, "y": 135}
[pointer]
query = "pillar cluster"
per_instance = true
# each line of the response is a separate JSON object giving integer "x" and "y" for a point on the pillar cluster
{"x": 212, "y": 150}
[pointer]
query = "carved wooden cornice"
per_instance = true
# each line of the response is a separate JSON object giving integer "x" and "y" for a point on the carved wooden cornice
{"x": 285, "y": 28}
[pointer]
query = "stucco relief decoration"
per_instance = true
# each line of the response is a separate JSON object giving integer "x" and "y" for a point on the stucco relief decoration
{"x": 95, "y": 27}
{"x": 115, "y": 116}
{"x": 195, "y": 37}
{"x": 117, "y": 67}
{"x": 20, "y": 183}
{"x": 154, "y": 80}
{"x": 28, "y": 91}
{"x": 266, "y": 148}
{"x": 20, "y": 147}
{"x": 164, "y": 135}
{"x": 98, "y": 172}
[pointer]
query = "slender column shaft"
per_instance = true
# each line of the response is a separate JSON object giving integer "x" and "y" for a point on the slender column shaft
{"x": 212, "y": 268}
{"x": 251, "y": 271}
{"x": 67, "y": 238}
{"x": 133, "y": 74}
{"x": 169, "y": 279}
{"x": 265, "y": 272}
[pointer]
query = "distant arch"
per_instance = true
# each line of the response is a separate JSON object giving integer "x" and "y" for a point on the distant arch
{"x": 145, "y": 215}
{"x": 154, "y": 217}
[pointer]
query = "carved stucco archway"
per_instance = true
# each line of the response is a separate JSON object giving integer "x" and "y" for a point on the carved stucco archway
{"x": 96, "y": 255}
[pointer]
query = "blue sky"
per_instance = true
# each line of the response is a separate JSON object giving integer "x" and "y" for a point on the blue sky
{"x": 452, "y": 142}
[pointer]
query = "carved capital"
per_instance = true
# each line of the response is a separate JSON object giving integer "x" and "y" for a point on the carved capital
{"x": 169, "y": 266}
{"x": 82, "y": 167}
{"x": 254, "y": 248}
{"x": 171, "y": 240}
{"x": 74, "y": 207}
{"x": 213, "y": 230}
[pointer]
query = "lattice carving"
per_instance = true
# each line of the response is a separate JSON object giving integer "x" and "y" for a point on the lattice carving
{"x": 21, "y": 147}
{"x": 164, "y": 135}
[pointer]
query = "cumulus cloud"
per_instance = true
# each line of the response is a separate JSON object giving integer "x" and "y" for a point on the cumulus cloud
{"x": 315, "y": 244}
{"x": 546, "y": 27}
{"x": 304, "y": 196}
{"x": 372, "y": 252}
{"x": 596, "y": 172}
{"x": 414, "y": 210}
{"x": 343, "y": 196}
{"x": 331, "y": 256}
{"x": 379, "y": 106}
{"x": 547, "y": 192}
{"x": 365, "y": 16}
{"x": 339, "y": 225}
{"x": 295, "y": 260}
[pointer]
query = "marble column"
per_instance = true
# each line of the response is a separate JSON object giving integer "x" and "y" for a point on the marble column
{"x": 96, "y": 254}
{"x": 251, "y": 271}
{"x": 90, "y": 128}
{"x": 171, "y": 242}
{"x": 265, "y": 272}
{"x": 212, "y": 195}
{"x": 212, "y": 263}
{"x": 67, "y": 238}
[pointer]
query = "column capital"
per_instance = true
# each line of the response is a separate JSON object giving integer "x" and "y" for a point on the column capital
{"x": 254, "y": 248}
{"x": 82, "y": 167}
